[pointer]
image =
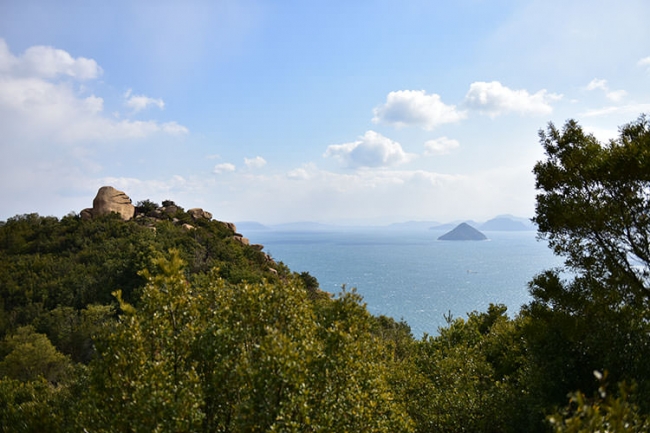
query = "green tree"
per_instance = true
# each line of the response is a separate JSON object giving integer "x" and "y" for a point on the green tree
{"x": 462, "y": 379}
{"x": 35, "y": 384}
{"x": 29, "y": 355}
{"x": 593, "y": 207}
{"x": 36, "y": 406}
{"x": 350, "y": 380}
{"x": 218, "y": 356}
{"x": 602, "y": 413}
{"x": 144, "y": 371}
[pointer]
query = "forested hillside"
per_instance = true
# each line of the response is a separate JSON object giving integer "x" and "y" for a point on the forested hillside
{"x": 171, "y": 322}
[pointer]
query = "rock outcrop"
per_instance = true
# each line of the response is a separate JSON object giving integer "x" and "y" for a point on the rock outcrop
{"x": 463, "y": 232}
{"x": 241, "y": 239}
{"x": 107, "y": 200}
{"x": 198, "y": 213}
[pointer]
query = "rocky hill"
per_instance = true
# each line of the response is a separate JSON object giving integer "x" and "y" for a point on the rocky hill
{"x": 79, "y": 260}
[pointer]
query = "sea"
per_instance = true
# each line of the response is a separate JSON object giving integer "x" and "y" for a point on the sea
{"x": 409, "y": 274}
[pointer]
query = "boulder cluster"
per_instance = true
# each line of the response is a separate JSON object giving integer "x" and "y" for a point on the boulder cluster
{"x": 109, "y": 200}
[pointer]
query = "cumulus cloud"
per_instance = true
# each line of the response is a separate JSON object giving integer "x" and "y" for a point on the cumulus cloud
{"x": 416, "y": 108}
{"x": 225, "y": 167}
{"x": 370, "y": 150}
{"x": 47, "y": 62}
{"x": 35, "y": 104}
{"x": 616, "y": 95}
{"x": 597, "y": 84}
{"x": 299, "y": 174}
{"x": 140, "y": 102}
{"x": 257, "y": 162}
{"x": 440, "y": 146}
{"x": 494, "y": 99}
{"x": 645, "y": 62}
{"x": 173, "y": 128}
{"x": 612, "y": 95}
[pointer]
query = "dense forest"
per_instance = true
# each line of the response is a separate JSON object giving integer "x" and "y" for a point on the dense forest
{"x": 173, "y": 324}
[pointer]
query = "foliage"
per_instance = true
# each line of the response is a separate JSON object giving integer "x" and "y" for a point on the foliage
{"x": 462, "y": 379}
{"x": 145, "y": 207}
{"x": 603, "y": 413}
{"x": 47, "y": 265}
{"x": 593, "y": 208}
{"x": 143, "y": 371}
{"x": 36, "y": 384}
{"x": 238, "y": 357}
{"x": 28, "y": 355}
{"x": 34, "y": 406}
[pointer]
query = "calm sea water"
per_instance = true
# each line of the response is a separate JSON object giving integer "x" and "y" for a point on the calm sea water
{"x": 412, "y": 276}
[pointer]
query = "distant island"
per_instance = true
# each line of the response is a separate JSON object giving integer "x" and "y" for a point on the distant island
{"x": 501, "y": 223}
{"x": 463, "y": 232}
{"x": 506, "y": 224}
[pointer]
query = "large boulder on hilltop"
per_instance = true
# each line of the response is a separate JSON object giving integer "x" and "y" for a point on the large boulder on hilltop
{"x": 198, "y": 213}
{"x": 86, "y": 214}
{"x": 109, "y": 200}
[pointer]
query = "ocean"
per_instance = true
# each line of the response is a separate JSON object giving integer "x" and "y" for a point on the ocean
{"x": 409, "y": 274}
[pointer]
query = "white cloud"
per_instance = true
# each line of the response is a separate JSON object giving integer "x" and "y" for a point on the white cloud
{"x": 616, "y": 95}
{"x": 225, "y": 167}
{"x": 35, "y": 106}
{"x": 257, "y": 162}
{"x": 55, "y": 135}
{"x": 416, "y": 108}
{"x": 173, "y": 128}
{"x": 302, "y": 173}
{"x": 494, "y": 99}
{"x": 629, "y": 109}
{"x": 597, "y": 84}
{"x": 370, "y": 150}
{"x": 47, "y": 62}
{"x": 612, "y": 95}
{"x": 391, "y": 195}
{"x": 645, "y": 62}
{"x": 140, "y": 102}
{"x": 440, "y": 146}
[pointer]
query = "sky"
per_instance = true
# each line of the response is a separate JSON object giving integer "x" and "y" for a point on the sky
{"x": 344, "y": 112}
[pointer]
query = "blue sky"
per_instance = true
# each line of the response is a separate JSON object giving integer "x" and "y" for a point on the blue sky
{"x": 364, "y": 112}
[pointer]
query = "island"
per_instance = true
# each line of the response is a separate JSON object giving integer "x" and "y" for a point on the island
{"x": 463, "y": 232}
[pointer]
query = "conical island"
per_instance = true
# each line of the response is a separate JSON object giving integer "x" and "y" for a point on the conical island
{"x": 463, "y": 232}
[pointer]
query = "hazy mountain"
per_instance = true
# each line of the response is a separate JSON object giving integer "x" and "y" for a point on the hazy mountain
{"x": 304, "y": 226}
{"x": 451, "y": 225}
{"x": 505, "y": 224}
{"x": 250, "y": 226}
{"x": 412, "y": 225}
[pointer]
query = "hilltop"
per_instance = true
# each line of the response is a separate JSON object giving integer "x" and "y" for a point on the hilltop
{"x": 82, "y": 258}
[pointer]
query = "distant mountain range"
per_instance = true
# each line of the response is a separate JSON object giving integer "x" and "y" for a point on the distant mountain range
{"x": 507, "y": 223}
{"x": 501, "y": 223}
